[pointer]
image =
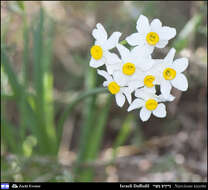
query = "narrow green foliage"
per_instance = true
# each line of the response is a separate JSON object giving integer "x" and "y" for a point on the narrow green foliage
{"x": 95, "y": 139}
{"x": 38, "y": 83}
{"x": 21, "y": 5}
{"x": 123, "y": 134}
{"x": 48, "y": 88}
{"x": 98, "y": 129}
{"x": 88, "y": 120}
{"x": 12, "y": 78}
{"x": 185, "y": 34}
{"x": 43, "y": 84}
{"x": 36, "y": 110}
{"x": 72, "y": 104}
{"x": 23, "y": 111}
{"x": 9, "y": 134}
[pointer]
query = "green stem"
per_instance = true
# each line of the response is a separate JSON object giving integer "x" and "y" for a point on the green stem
{"x": 123, "y": 134}
{"x": 94, "y": 141}
{"x": 23, "y": 111}
{"x": 123, "y": 42}
{"x": 71, "y": 105}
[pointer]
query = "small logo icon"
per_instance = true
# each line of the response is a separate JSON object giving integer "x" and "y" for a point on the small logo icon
{"x": 4, "y": 186}
{"x": 14, "y": 186}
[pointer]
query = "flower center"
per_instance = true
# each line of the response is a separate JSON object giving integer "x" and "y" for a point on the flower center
{"x": 148, "y": 80}
{"x": 96, "y": 52}
{"x": 113, "y": 87}
{"x": 152, "y": 38}
{"x": 151, "y": 104}
{"x": 169, "y": 74}
{"x": 129, "y": 68}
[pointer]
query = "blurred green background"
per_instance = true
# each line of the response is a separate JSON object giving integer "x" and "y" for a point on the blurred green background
{"x": 57, "y": 122}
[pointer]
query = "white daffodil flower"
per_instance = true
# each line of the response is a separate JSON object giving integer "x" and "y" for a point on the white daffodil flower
{"x": 151, "y": 35}
{"x": 170, "y": 98}
{"x": 100, "y": 51}
{"x": 148, "y": 80}
{"x": 170, "y": 73}
{"x": 149, "y": 104}
{"x": 115, "y": 89}
{"x": 131, "y": 66}
{"x": 136, "y": 71}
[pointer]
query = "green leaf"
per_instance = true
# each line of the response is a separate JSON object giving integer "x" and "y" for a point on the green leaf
{"x": 96, "y": 137}
{"x": 12, "y": 77}
{"x": 40, "y": 68}
{"x": 69, "y": 108}
{"x": 183, "y": 38}
{"x": 48, "y": 87}
{"x": 88, "y": 120}
{"x": 9, "y": 135}
{"x": 123, "y": 134}
{"x": 23, "y": 101}
{"x": 21, "y": 5}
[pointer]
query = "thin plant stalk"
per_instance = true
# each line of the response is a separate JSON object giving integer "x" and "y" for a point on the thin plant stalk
{"x": 96, "y": 139}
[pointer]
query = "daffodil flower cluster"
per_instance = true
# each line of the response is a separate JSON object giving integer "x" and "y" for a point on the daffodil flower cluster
{"x": 134, "y": 72}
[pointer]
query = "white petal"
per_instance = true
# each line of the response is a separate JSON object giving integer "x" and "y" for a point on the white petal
{"x": 111, "y": 58}
{"x": 151, "y": 90}
{"x": 158, "y": 61}
{"x": 112, "y": 68}
{"x": 171, "y": 98}
{"x": 165, "y": 88}
{"x": 112, "y": 41}
{"x": 145, "y": 94}
{"x": 96, "y": 35}
{"x": 102, "y": 31}
{"x": 140, "y": 93}
{"x": 138, "y": 75}
{"x": 119, "y": 78}
{"x": 133, "y": 85}
{"x": 127, "y": 93}
{"x": 124, "y": 52}
{"x": 180, "y": 65}
{"x": 105, "y": 75}
{"x": 96, "y": 63}
{"x": 106, "y": 83}
{"x": 137, "y": 103}
{"x": 155, "y": 25}
{"x": 99, "y": 34}
{"x": 145, "y": 63}
{"x": 160, "y": 111}
{"x": 99, "y": 43}
{"x": 167, "y": 33}
{"x": 135, "y": 39}
{"x": 120, "y": 99}
{"x": 139, "y": 51}
{"x": 161, "y": 98}
{"x": 143, "y": 24}
{"x": 180, "y": 82}
{"x": 112, "y": 62}
{"x": 145, "y": 114}
{"x": 169, "y": 57}
{"x": 150, "y": 49}
{"x": 162, "y": 43}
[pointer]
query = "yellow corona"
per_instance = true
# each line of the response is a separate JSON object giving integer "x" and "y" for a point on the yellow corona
{"x": 169, "y": 74}
{"x": 151, "y": 104}
{"x": 113, "y": 87}
{"x": 129, "y": 68}
{"x": 96, "y": 52}
{"x": 148, "y": 81}
{"x": 152, "y": 38}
